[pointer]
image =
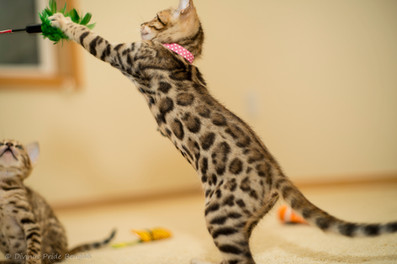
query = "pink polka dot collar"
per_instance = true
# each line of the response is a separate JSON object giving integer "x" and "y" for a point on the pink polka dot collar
{"x": 181, "y": 51}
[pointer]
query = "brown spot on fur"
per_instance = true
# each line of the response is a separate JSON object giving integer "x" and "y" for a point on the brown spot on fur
{"x": 194, "y": 148}
{"x": 192, "y": 123}
{"x": 231, "y": 185}
{"x": 203, "y": 111}
{"x": 164, "y": 87}
{"x": 242, "y": 140}
{"x": 240, "y": 203}
{"x": 229, "y": 200}
{"x": 219, "y": 157}
{"x": 218, "y": 119}
{"x": 236, "y": 166}
{"x": 245, "y": 184}
{"x": 287, "y": 191}
{"x": 204, "y": 165}
{"x": 255, "y": 155}
{"x": 213, "y": 179}
{"x": 166, "y": 105}
{"x": 261, "y": 169}
{"x": 184, "y": 99}
{"x": 177, "y": 129}
{"x": 253, "y": 194}
{"x": 181, "y": 75}
{"x": 207, "y": 140}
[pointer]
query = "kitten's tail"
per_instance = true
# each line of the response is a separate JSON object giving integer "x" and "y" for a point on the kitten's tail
{"x": 315, "y": 216}
{"x": 93, "y": 245}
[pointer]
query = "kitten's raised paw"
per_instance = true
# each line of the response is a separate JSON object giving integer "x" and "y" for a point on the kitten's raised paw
{"x": 58, "y": 20}
{"x": 197, "y": 261}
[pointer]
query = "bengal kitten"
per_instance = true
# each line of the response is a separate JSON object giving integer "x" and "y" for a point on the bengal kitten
{"x": 241, "y": 179}
{"x": 29, "y": 230}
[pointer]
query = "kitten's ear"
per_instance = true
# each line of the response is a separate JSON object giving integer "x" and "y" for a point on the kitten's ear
{"x": 33, "y": 151}
{"x": 185, "y": 6}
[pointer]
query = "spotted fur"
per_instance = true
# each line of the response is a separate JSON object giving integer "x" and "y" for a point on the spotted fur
{"x": 241, "y": 179}
{"x": 29, "y": 229}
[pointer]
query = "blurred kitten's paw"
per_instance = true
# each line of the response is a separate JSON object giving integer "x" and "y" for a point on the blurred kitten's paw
{"x": 58, "y": 20}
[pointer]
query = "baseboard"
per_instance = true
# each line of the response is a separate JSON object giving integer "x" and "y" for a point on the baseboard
{"x": 129, "y": 198}
{"x": 385, "y": 178}
{"x": 196, "y": 190}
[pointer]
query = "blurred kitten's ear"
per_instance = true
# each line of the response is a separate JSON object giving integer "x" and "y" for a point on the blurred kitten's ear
{"x": 185, "y": 6}
{"x": 33, "y": 151}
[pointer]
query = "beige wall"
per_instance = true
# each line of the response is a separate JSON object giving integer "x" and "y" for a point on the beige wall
{"x": 316, "y": 79}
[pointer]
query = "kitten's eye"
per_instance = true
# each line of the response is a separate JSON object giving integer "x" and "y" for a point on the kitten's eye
{"x": 1, "y": 144}
{"x": 162, "y": 23}
{"x": 19, "y": 147}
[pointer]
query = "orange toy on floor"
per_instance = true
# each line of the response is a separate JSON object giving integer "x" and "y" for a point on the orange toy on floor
{"x": 288, "y": 216}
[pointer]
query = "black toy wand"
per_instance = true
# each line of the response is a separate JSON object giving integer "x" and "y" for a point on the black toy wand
{"x": 48, "y": 31}
{"x": 36, "y": 28}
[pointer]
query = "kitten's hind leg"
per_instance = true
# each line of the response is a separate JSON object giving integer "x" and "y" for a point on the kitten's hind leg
{"x": 55, "y": 243}
{"x": 230, "y": 224}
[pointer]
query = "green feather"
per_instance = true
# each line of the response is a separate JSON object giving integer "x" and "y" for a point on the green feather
{"x": 86, "y": 19}
{"x": 91, "y": 26}
{"x": 63, "y": 10}
{"x": 55, "y": 34}
{"x": 74, "y": 16}
{"x": 53, "y": 6}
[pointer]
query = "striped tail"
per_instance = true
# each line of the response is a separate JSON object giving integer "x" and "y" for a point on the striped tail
{"x": 315, "y": 216}
{"x": 93, "y": 245}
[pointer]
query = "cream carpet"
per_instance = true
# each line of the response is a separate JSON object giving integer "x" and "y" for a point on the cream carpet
{"x": 272, "y": 242}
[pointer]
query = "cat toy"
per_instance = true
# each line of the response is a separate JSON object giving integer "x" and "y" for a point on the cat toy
{"x": 53, "y": 34}
{"x": 145, "y": 235}
{"x": 288, "y": 216}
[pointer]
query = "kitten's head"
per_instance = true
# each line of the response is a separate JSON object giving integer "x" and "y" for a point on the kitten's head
{"x": 180, "y": 25}
{"x": 17, "y": 160}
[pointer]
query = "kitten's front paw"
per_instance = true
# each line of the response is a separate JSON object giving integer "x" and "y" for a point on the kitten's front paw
{"x": 60, "y": 21}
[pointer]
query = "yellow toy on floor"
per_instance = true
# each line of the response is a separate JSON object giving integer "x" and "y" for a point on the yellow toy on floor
{"x": 145, "y": 235}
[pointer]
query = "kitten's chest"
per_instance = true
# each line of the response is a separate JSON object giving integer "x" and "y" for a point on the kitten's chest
{"x": 14, "y": 204}
{"x": 10, "y": 227}
{"x": 11, "y": 191}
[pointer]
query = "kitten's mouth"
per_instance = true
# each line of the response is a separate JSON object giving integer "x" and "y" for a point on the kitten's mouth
{"x": 8, "y": 150}
{"x": 145, "y": 36}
